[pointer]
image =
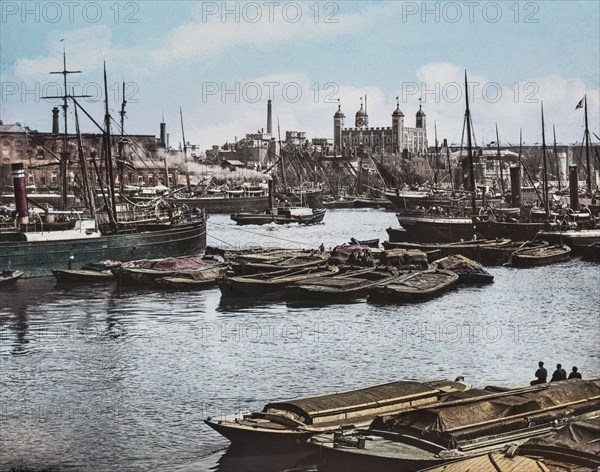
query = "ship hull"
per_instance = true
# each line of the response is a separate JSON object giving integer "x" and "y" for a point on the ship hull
{"x": 227, "y": 205}
{"x": 511, "y": 230}
{"x": 434, "y": 230}
{"x": 39, "y": 258}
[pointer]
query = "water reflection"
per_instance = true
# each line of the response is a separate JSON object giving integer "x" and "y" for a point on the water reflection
{"x": 136, "y": 371}
{"x": 21, "y": 329}
{"x": 240, "y": 458}
{"x": 255, "y": 459}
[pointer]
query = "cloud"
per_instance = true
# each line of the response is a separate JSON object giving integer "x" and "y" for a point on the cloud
{"x": 86, "y": 49}
{"x": 513, "y": 105}
{"x": 223, "y": 25}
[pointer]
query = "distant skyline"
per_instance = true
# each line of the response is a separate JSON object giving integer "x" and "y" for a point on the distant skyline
{"x": 222, "y": 61}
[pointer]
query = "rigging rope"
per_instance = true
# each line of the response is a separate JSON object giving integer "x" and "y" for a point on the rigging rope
{"x": 220, "y": 240}
{"x": 261, "y": 234}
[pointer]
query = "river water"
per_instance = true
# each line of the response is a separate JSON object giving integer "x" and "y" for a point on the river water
{"x": 100, "y": 379}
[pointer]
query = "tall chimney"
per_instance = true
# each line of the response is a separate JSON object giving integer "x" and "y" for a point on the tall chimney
{"x": 18, "y": 175}
{"x": 163, "y": 135}
{"x": 573, "y": 188}
{"x": 269, "y": 118}
{"x": 55, "y": 129}
{"x": 515, "y": 186}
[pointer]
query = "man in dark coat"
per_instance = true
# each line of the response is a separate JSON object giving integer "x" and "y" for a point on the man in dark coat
{"x": 541, "y": 375}
{"x": 559, "y": 374}
{"x": 574, "y": 374}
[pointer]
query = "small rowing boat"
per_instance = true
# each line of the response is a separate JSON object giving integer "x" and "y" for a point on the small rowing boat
{"x": 9, "y": 277}
{"x": 536, "y": 256}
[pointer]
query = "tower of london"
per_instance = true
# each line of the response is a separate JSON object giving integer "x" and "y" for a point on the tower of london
{"x": 397, "y": 139}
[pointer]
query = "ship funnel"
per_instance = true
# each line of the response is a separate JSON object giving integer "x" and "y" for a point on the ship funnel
{"x": 573, "y": 188}
{"x": 515, "y": 186}
{"x": 18, "y": 175}
{"x": 272, "y": 184}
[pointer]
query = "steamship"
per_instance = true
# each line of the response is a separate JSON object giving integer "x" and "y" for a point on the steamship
{"x": 38, "y": 243}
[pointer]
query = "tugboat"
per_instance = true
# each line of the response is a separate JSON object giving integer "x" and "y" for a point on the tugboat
{"x": 281, "y": 215}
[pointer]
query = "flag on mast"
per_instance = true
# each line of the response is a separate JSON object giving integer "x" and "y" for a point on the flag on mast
{"x": 580, "y": 104}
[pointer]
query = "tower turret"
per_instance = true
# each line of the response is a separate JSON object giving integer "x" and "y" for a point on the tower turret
{"x": 361, "y": 119}
{"x": 397, "y": 128}
{"x": 420, "y": 117}
{"x": 338, "y": 126}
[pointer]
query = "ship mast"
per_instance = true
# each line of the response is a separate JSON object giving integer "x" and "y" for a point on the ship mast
{"x": 470, "y": 150}
{"x": 449, "y": 164}
{"x": 437, "y": 159}
{"x": 588, "y": 179}
{"x": 281, "y": 160}
{"x": 87, "y": 190}
{"x": 500, "y": 162}
{"x": 545, "y": 179}
{"x": 64, "y": 161}
{"x": 108, "y": 157}
{"x": 556, "y": 158}
{"x": 122, "y": 143}
{"x": 187, "y": 172}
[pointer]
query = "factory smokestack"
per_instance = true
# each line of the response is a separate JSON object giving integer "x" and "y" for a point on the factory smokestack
{"x": 163, "y": 135}
{"x": 269, "y": 118}
{"x": 55, "y": 120}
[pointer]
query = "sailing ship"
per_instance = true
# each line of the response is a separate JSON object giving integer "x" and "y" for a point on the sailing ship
{"x": 118, "y": 231}
{"x": 421, "y": 227}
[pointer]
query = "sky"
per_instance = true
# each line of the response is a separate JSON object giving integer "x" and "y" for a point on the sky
{"x": 221, "y": 61}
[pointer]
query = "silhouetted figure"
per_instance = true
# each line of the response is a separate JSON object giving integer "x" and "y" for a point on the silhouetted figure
{"x": 574, "y": 374}
{"x": 559, "y": 374}
{"x": 541, "y": 375}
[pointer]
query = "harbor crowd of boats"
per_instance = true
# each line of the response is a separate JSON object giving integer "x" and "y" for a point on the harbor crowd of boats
{"x": 445, "y": 240}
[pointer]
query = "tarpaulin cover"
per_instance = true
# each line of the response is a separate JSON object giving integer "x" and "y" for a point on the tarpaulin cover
{"x": 458, "y": 263}
{"x": 581, "y": 435}
{"x": 406, "y": 257}
{"x": 465, "y": 419}
{"x": 304, "y": 409}
{"x": 348, "y": 254}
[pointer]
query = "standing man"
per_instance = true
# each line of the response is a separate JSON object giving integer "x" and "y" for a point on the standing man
{"x": 559, "y": 374}
{"x": 541, "y": 375}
